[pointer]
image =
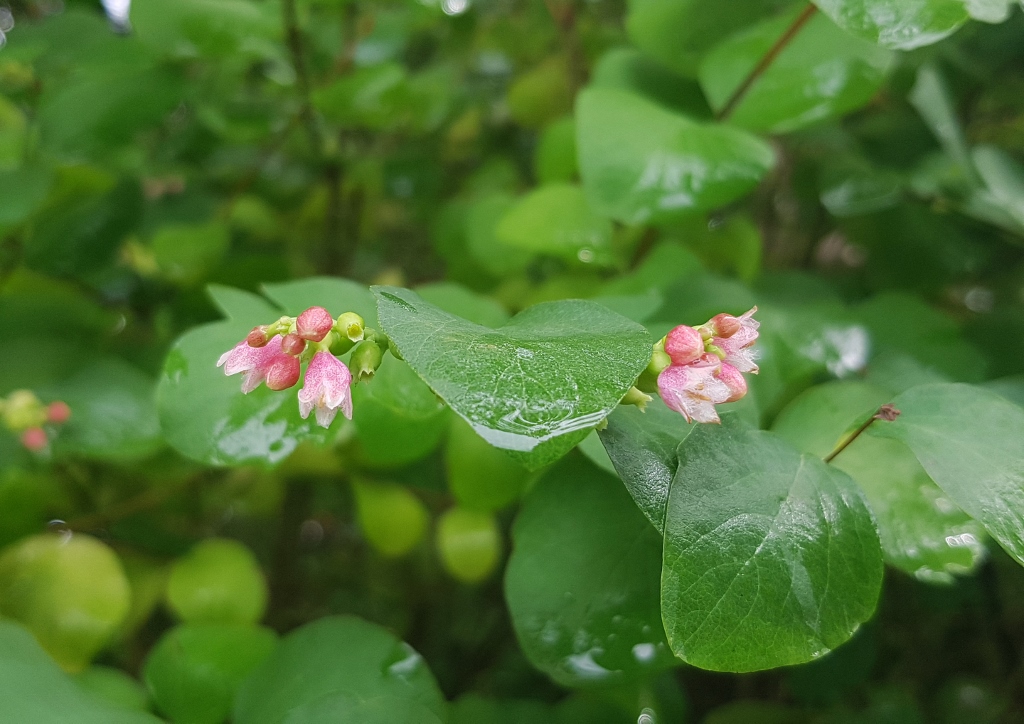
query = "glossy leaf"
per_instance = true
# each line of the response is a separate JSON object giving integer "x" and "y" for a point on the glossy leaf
{"x": 823, "y": 73}
{"x": 323, "y": 669}
{"x": 456, "y": 299}
{"x": 643, "y": 163}
{"x": 642, "y": 447}
{"x": 556, "y": 220}
{"x": 533, "y": 386}
{"x": 771, "y": 557}
{"x": 921, "y": 530}
{"x": 37, "y": 691}
{"x": 205, "y": 416}
{"x": 582, "y": 581}
{"x": 968, "y": 439}
{"x": 898, "y": 24}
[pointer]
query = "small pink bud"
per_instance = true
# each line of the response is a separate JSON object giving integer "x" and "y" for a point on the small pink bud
{"x": 58, "y": 412}
{"x": 283, "y": 373}
{"x": 34, "y": 439}
{"x": 724, "y": 325}
{"x": 733, "y": 379}
{"x": 314, "y": 324}
{"x": 258, "y": 337}
{"x": 684, "y": 345}
{"x": 293, "y": 344}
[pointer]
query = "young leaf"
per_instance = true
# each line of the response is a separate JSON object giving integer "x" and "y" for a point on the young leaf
{"x": 822, "y": 73}
{"x": 922, "y": 531}
{"x": 643, "y": 163}
{"x": 771, "y": 557}
{"x": 969, "y": 441}
{"x": 328, "y": 669}
{"x": 582, "y": 582}
{"x": 534, "y": 386}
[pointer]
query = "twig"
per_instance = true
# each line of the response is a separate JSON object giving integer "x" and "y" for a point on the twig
{"x": 146, "y": 501}
{"x": 766, "y": 61}
{"x": 886, "y": 412}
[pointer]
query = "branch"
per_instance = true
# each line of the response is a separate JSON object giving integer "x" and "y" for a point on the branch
{"x": 886, "y": 412}
{"x": 765, "y": 62}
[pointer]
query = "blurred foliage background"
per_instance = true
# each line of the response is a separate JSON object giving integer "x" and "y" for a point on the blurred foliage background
{"x": 156, "y": 172}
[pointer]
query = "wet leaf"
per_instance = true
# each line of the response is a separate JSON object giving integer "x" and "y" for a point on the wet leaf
{"x": 323, "y": 670}
{"x": 534, "y": 386}
{"x": 898, "y": 24}
{"x": 582, "y": 581}
{"x": 643, "y": 163}
{"x": 771, "y": 557}
{"x": 968, "y": 439}
{"x": 921, "y": 530}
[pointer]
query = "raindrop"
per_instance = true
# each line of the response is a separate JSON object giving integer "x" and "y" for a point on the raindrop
{"x": 647, "y": 716}
{"x": 644, "y": 653}
{"x": 585, "y": 255}
{"x": 455, "y": 7}
{"x": 979, "y": 300}
{"x": 61, "y": 528}
{"x": 6, "y": 20}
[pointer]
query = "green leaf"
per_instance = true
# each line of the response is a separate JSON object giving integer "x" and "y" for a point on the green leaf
{"x": 581, "y": 583}
{"x": 642, "y": 447}
{"x": 489, "y": 251}
{"x": 534, "y": 386}
{"x": 113, "y": 687}
{"x": 969, "y": 441}
{"x": 556, "y": 220}
{"x": 555, "y": 156}
{"x": 643, "y": 163}
{"x": 921, "y": 530}
{"x": 187, "y": 253}
{"x": 456, "y": 299}
{"x": 933, "y": 99}
{"x": 22, "y": 190}
{"x": 37, "y": 691}
{"x": 631, "y": 70}
{"x": 898, "y": 24}
{"x": 771, "y": 557}
{"x": 370, "y": 97}
{"x": 195, "y": 670}
{"x": 823, "y": 73}
{"x": 220, "y": 582}
{"x": 469, "y": 544}
{"x": 679, "y": 32}
{"x": 397, "y": 418}
{"x": 205, "y": 416}
{"x": 322, "y": 670}
{"x": 113, "y": 413}
{"x": 1004, "y": 178}
{"x": 335, "y": 295}
{"x": 393, "y": 520}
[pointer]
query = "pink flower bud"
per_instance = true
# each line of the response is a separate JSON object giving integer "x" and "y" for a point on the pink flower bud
{"x": 327, "y": 388}
{"x": 314, "y": 324}
{"x": 293, "y": 344}
{"x": 684, "y": 345}
{"x": 255, "y": 362}
{"x": 283, "y": 372}
{"x": 258, "y": 336}
{"x": 58, "y": 412}
{"x": 734, "y": 380}
{"x": 724, "y": 325}
{"x": 738, "y": 346}
{"x": 34, "y": 439}
{"x": 693, "y": 390}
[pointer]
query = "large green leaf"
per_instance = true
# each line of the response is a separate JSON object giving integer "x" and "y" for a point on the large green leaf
{"x": 643, "y": 163}
{"x": 899, "y": 24}
{"x": 642, "y": 447}
{"x": 534, "y": 386}
{"x": 582, "y": 582}
{"x": 771, "y": 557}
{"x": 205, "y": 416}
{"x": 969, "y": 441}
{"x": 821, "y": 74}
{"x": 37, "y": 691}
{"x": 333, "y": 667}
{"x": 922, "y": 531}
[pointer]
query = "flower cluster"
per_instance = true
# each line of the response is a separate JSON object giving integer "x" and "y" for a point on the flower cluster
{"x": 274, "y": 353}
{"x": 700, "y": 367}
{"x": 24, "y": 414}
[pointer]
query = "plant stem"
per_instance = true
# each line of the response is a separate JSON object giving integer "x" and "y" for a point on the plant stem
{"x": 886, "y": 412}
{"x": 153, "y": 498}
{"x": 766, "y": 61}
{"x": 294, "y": 39}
